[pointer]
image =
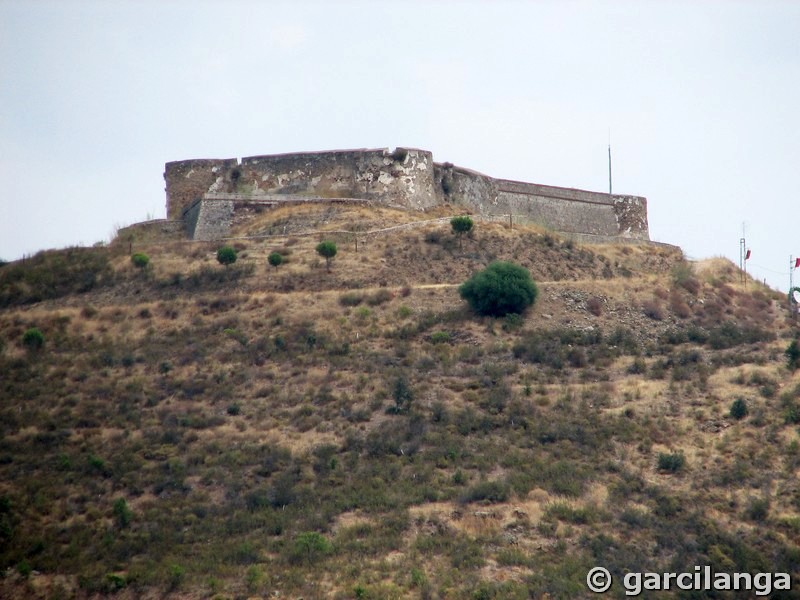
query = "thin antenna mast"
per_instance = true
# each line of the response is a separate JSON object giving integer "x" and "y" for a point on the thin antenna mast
{"x": 609, "y": 162}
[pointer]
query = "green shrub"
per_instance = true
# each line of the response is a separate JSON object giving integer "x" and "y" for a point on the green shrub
{"x": 226, "y": 256}
{"x": 487, "y": 491}
{"x": 114, "y": 582}
{"x": 403, "y": 395}
{"x": 500, "y": 289}
{"x": 739, "y": 409}
{"x": 33, "y": 339}
{"x": 122, "y": 512}
{"x": 140, "y": 261}
{"x": 792, "y": 353}
{"x": 381, "y": 296}
{"x": 175, "y": 576}
{"x": 309, "y": 548}
{"x": 672, "y": 462}
{"x": 757, "y": 509}
{"x": 563, "y": 511}
{"x": 275, "y": 259}
{"x": 328, "y": 250}
{"x": 351, "y": 299}
{"x": 24, "y": 569}
{"x": 440, "y": 337}
{"x": 731, "y": 334}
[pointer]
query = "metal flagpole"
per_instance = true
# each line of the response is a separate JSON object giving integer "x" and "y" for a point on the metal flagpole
{"x": 791, "y": 288}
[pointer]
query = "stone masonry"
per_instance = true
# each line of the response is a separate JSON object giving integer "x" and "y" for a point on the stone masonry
{"x": 204, "y": 194}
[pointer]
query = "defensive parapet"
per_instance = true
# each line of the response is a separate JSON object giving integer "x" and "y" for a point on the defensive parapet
{"x": 206, "y": 193}
{"x": 566, "y": 210}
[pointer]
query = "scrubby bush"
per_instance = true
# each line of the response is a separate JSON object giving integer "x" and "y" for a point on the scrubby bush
{"x": 653, "y": 309}
{"x": 275, "y": 259}
{"x": 731, "y": 334}
{"x": 328, "y": 250}
{"x": 402, "y": 394}
{"x": 226, "y": 255}
{"x": 595, "y": 306}
{"x": 792, "y": 353}
{"x": 379, "y": 297}
{"x": 487, "y": 491}
{"x": 499, "y": 289}
{"x": 757, "y": 509}
{"x": 140, "y": 261}
{"x": 309, "y": 548}
{"x": 440, "y": 337}
{"x": 351, "y": 299}
{"x": 739, "y": 409}
{"x": 672, "y": 462}
{"x": 122, "y": 513}
{"x": 683, "y": 276}
{"x": 433, "y": 237}
{"x": 33, "y": 339}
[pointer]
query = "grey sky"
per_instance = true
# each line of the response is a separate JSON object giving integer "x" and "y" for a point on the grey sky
{"x": 702, "y": 100}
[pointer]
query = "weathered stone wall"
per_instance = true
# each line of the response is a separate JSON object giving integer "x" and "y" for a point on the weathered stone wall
{"x": 406, "y": 177}
{"x": 403, "y": 177}
{"x": 562, "y": 209}
{"x": 188, "y": 180}
{"x": 209, "y": 219}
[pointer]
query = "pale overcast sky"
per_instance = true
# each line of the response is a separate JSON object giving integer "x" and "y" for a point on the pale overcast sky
{"x": 702, "y": 100}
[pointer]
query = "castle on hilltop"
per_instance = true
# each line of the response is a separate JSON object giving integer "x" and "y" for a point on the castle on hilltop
{"x": 203, "y": 195}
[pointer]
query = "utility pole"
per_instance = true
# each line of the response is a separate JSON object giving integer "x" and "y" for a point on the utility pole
{"x": 743, "y": 256}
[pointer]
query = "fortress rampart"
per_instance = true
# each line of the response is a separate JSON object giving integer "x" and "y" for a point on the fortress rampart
{"x": 205, "y": 194}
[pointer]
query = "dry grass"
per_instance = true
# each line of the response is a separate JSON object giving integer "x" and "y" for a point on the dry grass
{"x": 237, "y": 414}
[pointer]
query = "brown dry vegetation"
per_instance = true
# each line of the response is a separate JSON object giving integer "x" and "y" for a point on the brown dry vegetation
{"x": 196, "y": 431}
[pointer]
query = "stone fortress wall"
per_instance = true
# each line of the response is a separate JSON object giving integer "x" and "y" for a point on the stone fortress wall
{"x": 205, "y": 194}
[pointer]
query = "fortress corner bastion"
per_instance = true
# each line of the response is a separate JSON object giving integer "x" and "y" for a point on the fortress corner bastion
{"x": 203, "y": 195}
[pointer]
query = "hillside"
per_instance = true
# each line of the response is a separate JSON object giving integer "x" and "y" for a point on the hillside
{"x": 198, "y": 431}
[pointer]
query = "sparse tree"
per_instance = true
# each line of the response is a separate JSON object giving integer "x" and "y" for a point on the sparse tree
{"x": 500, "y": 289}
{"x": 275, "y": 259}
{"x": 461, "y": 226}
{"x": 226, "y": 256}
{"x": 328, "y": 250}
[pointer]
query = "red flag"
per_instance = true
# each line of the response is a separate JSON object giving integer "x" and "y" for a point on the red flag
{"x": 796, "y": 262}
{"x": 747, "y": 256}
